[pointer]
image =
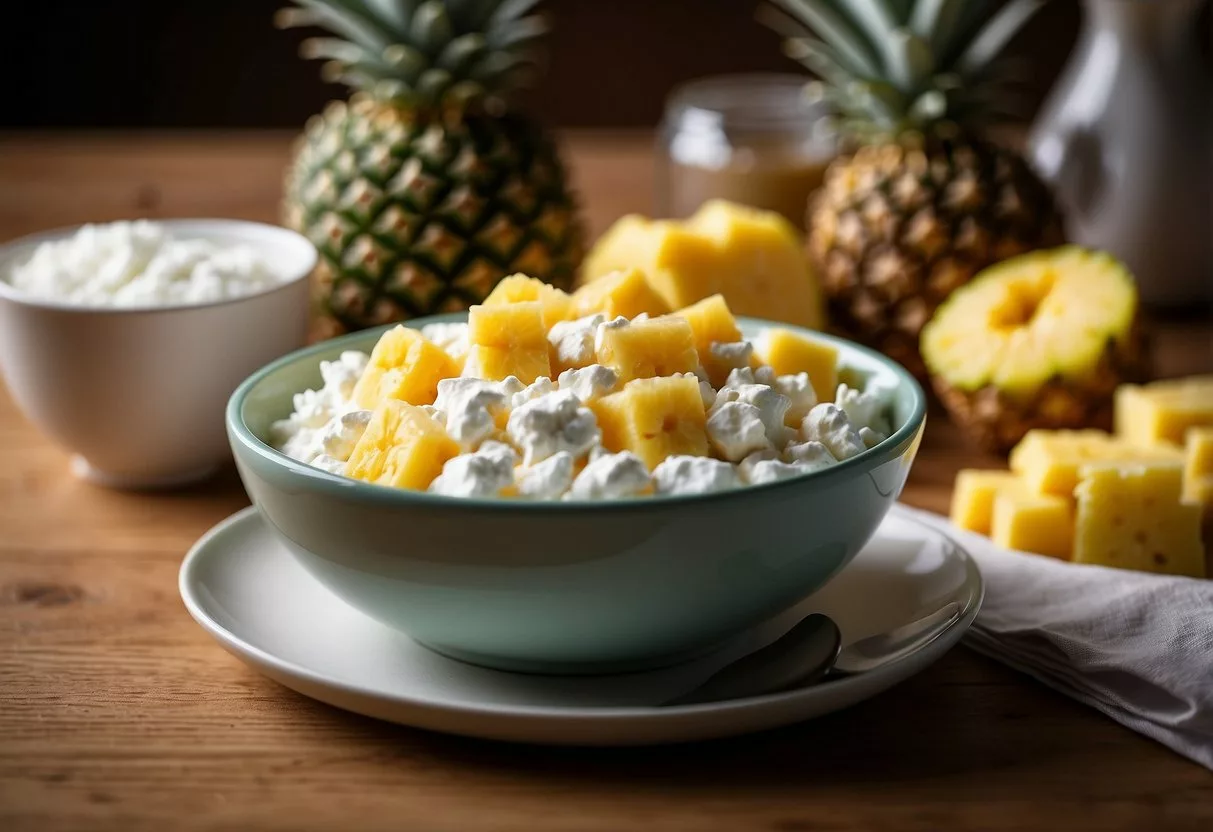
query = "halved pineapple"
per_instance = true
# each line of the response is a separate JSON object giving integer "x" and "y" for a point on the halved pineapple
{"x": 556, "y": 304}
{"x": 654, "y": 418}
{"x": 402, "y": 446}
{"x": 712, "y": 322}
{"x": 1040, "y": 340}
{"x": 788, "y": 353}
{"x": 625, "y": 292}
{"x": 403, "y": 366}
{"x": 644, "y": 349}
{"x": 508, "y": 340}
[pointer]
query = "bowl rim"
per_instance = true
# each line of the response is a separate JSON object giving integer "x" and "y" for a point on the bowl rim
{"x": 11, "y": 293}
{"x": 340, "y": 486}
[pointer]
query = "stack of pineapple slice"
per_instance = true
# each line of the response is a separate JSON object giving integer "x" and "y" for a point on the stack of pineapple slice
{"x": 656, "y": 411}
{"x": 1134, "y": 499}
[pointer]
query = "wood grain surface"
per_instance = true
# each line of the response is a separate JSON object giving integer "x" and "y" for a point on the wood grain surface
{"x": 118, "y": 713}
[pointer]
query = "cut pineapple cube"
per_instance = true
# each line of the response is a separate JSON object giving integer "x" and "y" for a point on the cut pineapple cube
{"x": 789, "y": 352}
{"x": 1198, "y": 468}
{"x": 556, "y": 304}
{"x": 404, "y": 366}
{"x": 712, "y": 322}
{"x": 1048, "y": 460}
{"x": 1163, "y": 411}
{"x": 752, "y": 257}
{"x": 402, "y": 447}
{"x": 973, "y": 498}
{"x": 1032, "y": 522}
{"x": 1130, "y": 517}
{"x": 626, "y": 292}
{"x": 654, "y": 418}
{"x": 495, "y": 364}
{"x": 644, "y": 349}
{"x": 508, "y": 340}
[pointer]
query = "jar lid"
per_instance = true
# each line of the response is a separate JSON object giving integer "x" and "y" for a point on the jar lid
{"x": 752, "y": 101}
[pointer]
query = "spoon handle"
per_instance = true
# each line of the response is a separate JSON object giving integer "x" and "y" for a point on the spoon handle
{"x": 799, "y": 657}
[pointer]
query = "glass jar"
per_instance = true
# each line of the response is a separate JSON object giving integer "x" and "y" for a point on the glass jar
{"x": 753, "y": 139}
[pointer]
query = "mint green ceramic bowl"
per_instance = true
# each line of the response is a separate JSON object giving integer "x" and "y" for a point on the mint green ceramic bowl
{"x": 569, "y": 587}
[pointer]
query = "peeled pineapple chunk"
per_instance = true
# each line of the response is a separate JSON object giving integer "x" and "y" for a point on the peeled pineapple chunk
{"x": 508, "y": 340}
{"x": 752, "y": 257}
{"x": 1039, "y": 340}
{"x": 712, "y": 323}
{"x": 973, "y": 498}
{"x": 402, "y": 447}
{"x": 789, "y": 353}
{"x": 1049, "y": 460}
{"x": 1163, "y": 411}
{"x": 625, "y": 292}
{"x": 403, "y": 366}
{"x": 654, "y": 418}
{"x": 1198, "y": 469}
{"x": 1130, "y": 517}
{"x": 644, "y": 349}
{"x": 554, "y": 303}
{"x": 1030, "y": 522}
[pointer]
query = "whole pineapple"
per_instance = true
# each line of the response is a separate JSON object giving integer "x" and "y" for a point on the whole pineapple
{"x": 924, "y": 202}
{"x": 423, "y": 190}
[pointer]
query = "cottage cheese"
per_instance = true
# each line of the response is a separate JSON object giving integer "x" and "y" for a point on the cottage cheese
{"x": 829, "y": 425}
{"x": 471, "y": 406}
{"x": 547, "y": 480}
{"x": 552, "y": 423}
{"x": 694, "y": 475}
{"x": 573, "y": 341}
{"x": 140, "y": 263}
{"x": 735, "y": 430}
{"x": 317, "y": 421}
{"x": 610, "y": 477}
{"x": 484, "y": 473}
{"x": 589, "y": 383}
{"x": 452, "y": 338}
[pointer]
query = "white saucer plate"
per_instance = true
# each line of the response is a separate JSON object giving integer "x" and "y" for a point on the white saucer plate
{"x": 250, "y": 594}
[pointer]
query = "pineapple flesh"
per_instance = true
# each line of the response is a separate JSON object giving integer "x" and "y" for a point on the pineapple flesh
{"x": 402, "y": 447}
{"x": 423, "y": 191}
{"x": 654, "y": 418}
{"x": 645, "y": 349}
{"x": 403, "y": 366}
{"x": 1039, "y": 341}
{"x": 925, "y": 201}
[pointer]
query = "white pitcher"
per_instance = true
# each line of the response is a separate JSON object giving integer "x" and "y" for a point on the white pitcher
{"x": 1125, "y": 138}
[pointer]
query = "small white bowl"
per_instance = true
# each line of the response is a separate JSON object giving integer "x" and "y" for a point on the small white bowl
{"x": 138, "y": 393}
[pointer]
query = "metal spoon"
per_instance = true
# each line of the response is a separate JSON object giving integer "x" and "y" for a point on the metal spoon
{"x": 810, "y": 653}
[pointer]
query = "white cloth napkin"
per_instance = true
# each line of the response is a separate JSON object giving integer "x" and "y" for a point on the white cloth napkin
{"x": 1136, "y": 646}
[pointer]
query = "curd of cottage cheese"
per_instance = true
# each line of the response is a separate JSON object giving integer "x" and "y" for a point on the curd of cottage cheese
{"x": 542, "y": 441}
{"x": 140, "y": 263}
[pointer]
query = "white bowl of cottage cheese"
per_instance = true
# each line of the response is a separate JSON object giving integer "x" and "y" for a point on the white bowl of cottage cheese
{"x": 122, "y": 341}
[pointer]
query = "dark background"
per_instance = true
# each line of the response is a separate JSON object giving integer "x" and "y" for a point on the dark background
{"x": 221, "y": 63}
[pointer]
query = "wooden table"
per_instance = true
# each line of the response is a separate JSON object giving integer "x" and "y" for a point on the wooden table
{"x": 117, "y": 712}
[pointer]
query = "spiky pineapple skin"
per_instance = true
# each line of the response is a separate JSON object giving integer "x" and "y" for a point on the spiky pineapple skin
{"x": 898, "y": 226}
{"x": 415, "y": 215}
{"x": 996, "y": 421}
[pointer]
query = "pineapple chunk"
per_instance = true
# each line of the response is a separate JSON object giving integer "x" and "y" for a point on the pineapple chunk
{"x": 973, "y": 498}
{"x": 1130, "y": 517}
{"x": 625, "y": 292}
{"x": 644, "y": 349}
{"x": 1198, "y": 469}
{"x": 654, "y": 418}
{"x": 789, "y": 353}
{"x": 556, "y": 304}
{"x": 508, "y": 340}
{"x": 403, "y": 366}
{"x": 752, "y": 257}
{"x": 1048, "y": 460}
{"x": 496, "y": 364}
{"x": 1031, "y": 522}
{"x": 712, "y": 322}
{"x": 402, "y": 447}
{"x": 1163, "y": 411}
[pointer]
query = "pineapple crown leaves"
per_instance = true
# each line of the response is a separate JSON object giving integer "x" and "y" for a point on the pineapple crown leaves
{"x": 439, "y": 55}
{"x": 893, "y": 67}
